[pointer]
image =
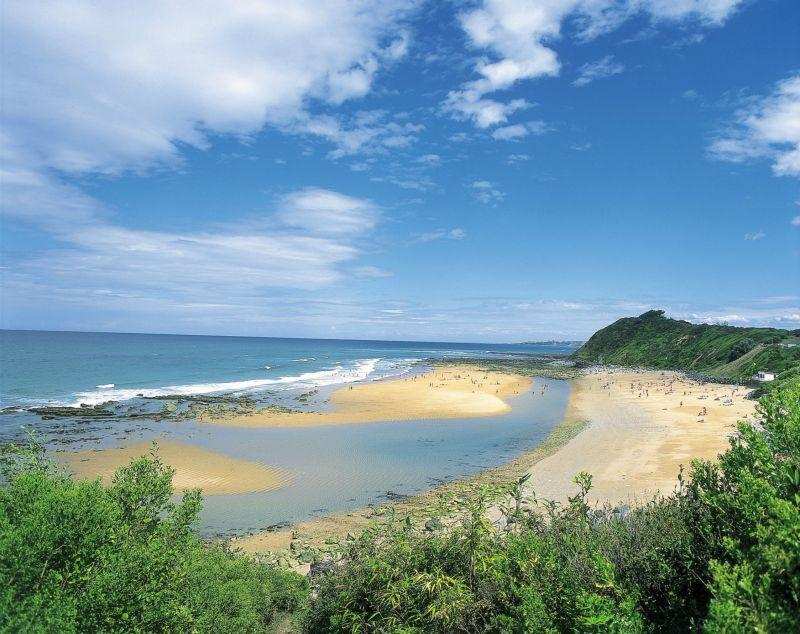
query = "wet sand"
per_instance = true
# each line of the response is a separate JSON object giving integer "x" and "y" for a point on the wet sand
{"x": 449, "y": 391}
{"x": 194, "y": 466}
{"x": 632, "y": 430}
{"x": 642, "y": 427}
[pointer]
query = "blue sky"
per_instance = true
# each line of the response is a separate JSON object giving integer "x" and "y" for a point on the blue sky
{"x": 498, "y": 170}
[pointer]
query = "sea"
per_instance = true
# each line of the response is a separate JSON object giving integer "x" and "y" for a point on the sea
{"x": 334, "y": 468}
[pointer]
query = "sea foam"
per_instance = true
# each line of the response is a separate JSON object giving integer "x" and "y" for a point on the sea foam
{"x": 357, "y": 370}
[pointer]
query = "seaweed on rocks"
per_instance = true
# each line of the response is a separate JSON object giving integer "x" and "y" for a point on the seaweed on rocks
{"x": 50, "y": 412}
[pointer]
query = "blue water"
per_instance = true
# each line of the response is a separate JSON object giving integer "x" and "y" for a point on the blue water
{"x": 334, "y": 468}
{"x": 70, "y": 367}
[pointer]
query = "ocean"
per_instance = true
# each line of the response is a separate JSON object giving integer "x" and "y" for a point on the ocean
{"x": 74, "y": 368}
{"x": 334, "y": 468}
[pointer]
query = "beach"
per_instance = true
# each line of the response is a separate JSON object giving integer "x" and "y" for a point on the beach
{"x": 642, "y": 427}
{"x": 632, "y": 430}
{"x": 194, "y": 466}
{"x": 447, "y": 391}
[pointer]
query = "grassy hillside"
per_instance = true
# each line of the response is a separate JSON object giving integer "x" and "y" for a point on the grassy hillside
{"x": 656, "y": 341}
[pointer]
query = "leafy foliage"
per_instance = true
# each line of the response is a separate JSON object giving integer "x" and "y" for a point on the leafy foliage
{"x": 721, "y": 554}
{"x": 655, "y": 341}
{"x": 75, "y": 556}
{"x": 750, "y": 516}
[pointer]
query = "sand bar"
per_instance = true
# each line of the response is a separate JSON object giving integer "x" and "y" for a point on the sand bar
{"x": 449, "y": 391}
{"x": 642, "y": 427}
{"x": 194, "y": 466}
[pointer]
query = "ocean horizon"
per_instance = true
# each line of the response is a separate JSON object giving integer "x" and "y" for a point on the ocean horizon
{"x": 73, "y": 368}
{"x": 132, "y": 378}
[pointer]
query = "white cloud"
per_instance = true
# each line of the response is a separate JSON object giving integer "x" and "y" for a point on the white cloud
{"x": 456, "y": 233}
{"x": 517, "y": 158}
{"x": 510, "y": 132}
{"x": 430, "y": 159}
{"x": 603, "y": 67}
{"x": 767, "y": 128}
{"x": 110, "y": 87}
{"x": 310, "y": 242}
{"x": 325, "y": 212}
{"x": 796, "y": 221}
{"x": 371, "y": 272}
{"x": 114, "y": 88}
{"x": 469, "y": 104}
{"x": 755, "y": 235}
{"x": 520, "y": 130}
{"x": 485, "y": 192}
{"x": 518, "y": 35}
{"x": 367, "y": 132}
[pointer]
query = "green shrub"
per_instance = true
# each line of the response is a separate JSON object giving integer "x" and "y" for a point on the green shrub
{"x": 721, "y": 554}
{"x": 750, "y": 504}
{"x": 77, "y": 556}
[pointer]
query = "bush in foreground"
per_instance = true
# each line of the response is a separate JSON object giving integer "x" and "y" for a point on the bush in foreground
{"x": 77, "y": 556}
{"x": 722, "y": 554}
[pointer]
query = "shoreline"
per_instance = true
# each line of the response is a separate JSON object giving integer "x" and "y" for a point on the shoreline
{"x": 457, "y": 390}
{"x": 645, "y": 425}
{"x": 631, "y": 429}
{"x": 195, "y": 467}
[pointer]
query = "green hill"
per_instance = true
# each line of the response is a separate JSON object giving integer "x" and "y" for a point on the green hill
{"x": 655, "y": 341}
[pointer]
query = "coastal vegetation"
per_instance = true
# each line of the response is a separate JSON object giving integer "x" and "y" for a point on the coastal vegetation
{"x": 717, "y": 351}
{"x": 720, "y": 554}
{"x": 552, "y": 367}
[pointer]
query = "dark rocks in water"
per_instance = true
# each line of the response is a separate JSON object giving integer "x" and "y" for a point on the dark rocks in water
{"x": 396, "y": 497}
{"x": 277, "y": 527}
{"x": 206, "y": 399}
{"x": 10, "y": 410}
{"x": 303, "y": 398}
{"x": 84, "y": 411}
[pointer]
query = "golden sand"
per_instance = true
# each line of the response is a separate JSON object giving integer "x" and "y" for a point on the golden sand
{"x": 195, "y": 467}
{"x": 642, "y": 427}
{"x": 451, "y": 391}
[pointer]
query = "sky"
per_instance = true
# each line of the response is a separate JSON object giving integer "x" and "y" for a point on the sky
{"x": 494, "y": 170}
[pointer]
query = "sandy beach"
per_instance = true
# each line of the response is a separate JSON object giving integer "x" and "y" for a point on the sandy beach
{"x": 632, "y": 430}
{"x": 448, "y": 391}
{"x": 642, "y": 427}
{"x": 194, "y": 466}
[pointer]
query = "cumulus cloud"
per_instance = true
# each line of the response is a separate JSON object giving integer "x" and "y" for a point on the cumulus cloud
{"x": 366, "y": 132}
{"x": 123, "y": 88}
{"x": 517, "y": 35}
{"x": 485, "y": 192}
{"x": 109, "y": 87}
{"x": 766, "y": 128}
{"x": 517, "y": 158}
{"x": 520, "y": 130}
{"x": 603, "y": 67}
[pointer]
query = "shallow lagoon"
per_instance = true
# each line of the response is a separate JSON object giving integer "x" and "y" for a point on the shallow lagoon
{"x": 335, "y": 468}
{"x": 339, "y": 468}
